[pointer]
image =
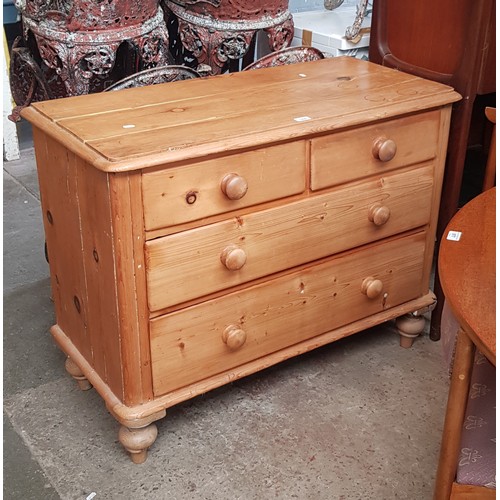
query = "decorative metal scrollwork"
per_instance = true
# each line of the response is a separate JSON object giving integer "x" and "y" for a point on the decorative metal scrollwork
{"x": 233, "y": 47}
{"x": 352, "y": 32}
{"x": 332, "y": 4}
{"x": 74, "y": 44}
{"x": 216, "y": 36}
{"x": 290, "y": 55}
{"x": 280, "y": 36}
{"x": 154, "y": 76}
{"x": 215, "y": 3}
{"x": 27, "y": 81}
{"x": 99, "y": 61}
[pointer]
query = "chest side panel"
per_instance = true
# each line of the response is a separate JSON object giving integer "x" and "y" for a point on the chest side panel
{"x": 77, "y": 221}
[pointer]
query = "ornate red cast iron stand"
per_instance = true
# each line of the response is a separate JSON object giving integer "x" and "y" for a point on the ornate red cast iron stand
{"x": 218, "y": 31}
{"x": 70, "y": 46}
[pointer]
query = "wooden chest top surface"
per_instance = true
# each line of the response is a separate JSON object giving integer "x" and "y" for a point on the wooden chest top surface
{"x": 160, "y": 124}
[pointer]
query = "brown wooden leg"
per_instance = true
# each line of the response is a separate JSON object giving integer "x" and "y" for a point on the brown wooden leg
{"x": 450, "y": 195}
{"x": 435, "y": 328}
{"x": 455, "y": 412}
{"x": 409, "y": 326}
{"x": 137, "y": 441}
{"x": 73, "y": 369}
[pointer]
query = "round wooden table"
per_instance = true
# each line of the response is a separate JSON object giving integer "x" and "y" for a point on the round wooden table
{"x": 467, "y": 271}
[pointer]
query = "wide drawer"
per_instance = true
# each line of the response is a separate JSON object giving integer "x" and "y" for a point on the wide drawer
{"x": 190, "y": 192}
{"x": 375, "y": 149}
{"x": 194, "y": 263}
{"x": 194, "y": 343}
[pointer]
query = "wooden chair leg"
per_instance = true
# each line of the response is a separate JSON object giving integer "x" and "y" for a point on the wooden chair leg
{"x": 455, "y": 413}
{"x": 435, "y": 328}
{"x": 491, "y": 164}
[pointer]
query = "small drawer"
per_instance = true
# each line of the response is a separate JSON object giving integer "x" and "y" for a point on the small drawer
{"x": 376, "y": 149}
{"x": 191, "y": 192}
{"x": 200, "y": 341}
{"x": 190, "y": 264}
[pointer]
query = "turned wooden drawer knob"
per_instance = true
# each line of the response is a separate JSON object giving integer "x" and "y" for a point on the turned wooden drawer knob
{"x": 379, "y": 214}
{"x": 384, "y": 149}
{"x": 233, "y": 257}
{"x": 234, "y": 337}
{"x": 234, "y": 186}
{"x": 372, "y": 287}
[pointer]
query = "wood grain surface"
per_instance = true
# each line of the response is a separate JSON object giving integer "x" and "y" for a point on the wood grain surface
{"x": 467, "y": 270}
{"x": 175, "y": 121}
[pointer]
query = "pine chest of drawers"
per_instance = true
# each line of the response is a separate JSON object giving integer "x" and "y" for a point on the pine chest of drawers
{"x": 199, "y": 231}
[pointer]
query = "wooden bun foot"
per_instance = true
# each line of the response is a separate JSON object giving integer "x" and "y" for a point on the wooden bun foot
{"x": 405, "y": 341}
{"x": 73, "y": 369}
{"x": 409, "y": 326}
{"x": 137, "y": 441}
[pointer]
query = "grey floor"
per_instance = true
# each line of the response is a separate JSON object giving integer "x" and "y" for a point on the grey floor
{"x": 359, "y": 419}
